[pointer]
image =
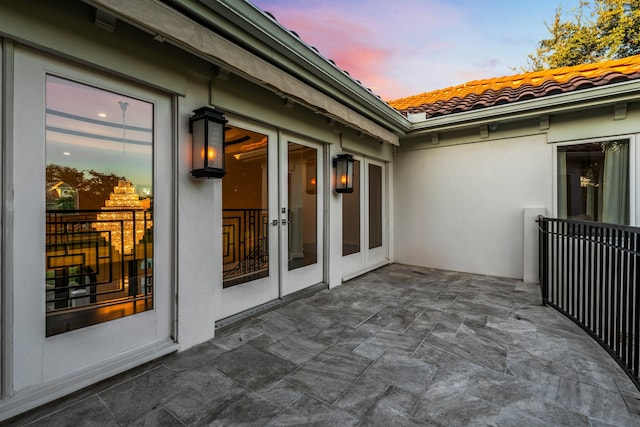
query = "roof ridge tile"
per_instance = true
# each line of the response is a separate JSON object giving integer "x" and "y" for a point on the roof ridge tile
{"x": 484, "y": 93}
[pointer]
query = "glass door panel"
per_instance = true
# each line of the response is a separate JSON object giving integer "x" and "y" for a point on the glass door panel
{"x": 301, "y": 196}
{"x": 245, "y": 204}
{"x": 303, "y": 206}
{"x": 249, "y": 206}
{"x": 364, "y": 241}
{"x": 353, "y": 223}
{"x": 376, "y": 214}
{"x": 351, "y": 215}
{"x": 375, "y": 206}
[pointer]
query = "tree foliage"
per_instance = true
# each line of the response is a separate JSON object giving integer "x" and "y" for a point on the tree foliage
{"x": 92, "y": 187}
{"x": 597, "y": 30}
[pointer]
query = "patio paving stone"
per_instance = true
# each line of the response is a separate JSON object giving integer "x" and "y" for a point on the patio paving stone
{"x": 248, "y": 410}
{"x": 401, "y": 345}
{"x": 393, "y": 408}
{"x": 132, "y": 399}
{"x": 361, "y": 395}
{"x": 383, "y": 342}
{"x": 343, "y": 336}
{"x": 403, "y": 372}
{"x": 308, "y": 411}
{"x": 297, "y": 348}
{"x": 205, "y": 390}
{"x": 327, "y": 375}
{"x": 252, "y": 367}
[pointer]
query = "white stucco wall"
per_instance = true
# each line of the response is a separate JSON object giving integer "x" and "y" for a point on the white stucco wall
{"x": 461, "y": 207}
{"x": 199, "y": 257}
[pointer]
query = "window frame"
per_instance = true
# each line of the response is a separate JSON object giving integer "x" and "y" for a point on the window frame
{"x": 634, "y": 209}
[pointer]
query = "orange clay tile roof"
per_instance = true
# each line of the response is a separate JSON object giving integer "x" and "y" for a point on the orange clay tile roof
{"x": 504, "y": 90}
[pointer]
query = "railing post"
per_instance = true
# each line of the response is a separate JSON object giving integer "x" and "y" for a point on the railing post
{"x": 543, "y": 258}
{"x": 635, "y": 357}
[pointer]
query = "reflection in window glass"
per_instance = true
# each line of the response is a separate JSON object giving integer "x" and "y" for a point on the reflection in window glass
{"x": 99, "y": 198}
{"x": 245, "y": 200}
{"x": 351, "y": 215}
{"x": 593, "y": 182}
{"x": 375, "y": 206}
{"x": 303, "y": 210}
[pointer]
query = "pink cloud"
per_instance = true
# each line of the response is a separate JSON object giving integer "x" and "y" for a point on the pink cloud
{"x": 375, "y": 41}
{"x": 352, "y": 46}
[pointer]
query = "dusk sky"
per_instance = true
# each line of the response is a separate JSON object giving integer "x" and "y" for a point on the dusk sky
{"x": 403, "y": 48}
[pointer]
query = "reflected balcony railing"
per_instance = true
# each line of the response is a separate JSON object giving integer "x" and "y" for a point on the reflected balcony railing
{"x": 97, "y": 262}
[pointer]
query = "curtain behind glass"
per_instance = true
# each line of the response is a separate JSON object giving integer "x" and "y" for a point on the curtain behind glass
{"x": 615, "y": 183}
{"x": 593, "y": 182}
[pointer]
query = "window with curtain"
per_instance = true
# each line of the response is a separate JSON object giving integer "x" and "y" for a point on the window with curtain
{"x": 593, "y": 181}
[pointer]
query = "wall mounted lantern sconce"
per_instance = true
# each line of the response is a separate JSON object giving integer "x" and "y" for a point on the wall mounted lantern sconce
{"x": 343, "y": 164}
{"x": 207, "y": 137}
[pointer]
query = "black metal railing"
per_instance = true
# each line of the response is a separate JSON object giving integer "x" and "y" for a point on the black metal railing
{"x": 244, "y": 244}
{"x": 589, "y": 272}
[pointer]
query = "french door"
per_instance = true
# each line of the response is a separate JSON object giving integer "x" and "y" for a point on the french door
{"x": 364, "y": 219}
{"x": 272, "y": 216}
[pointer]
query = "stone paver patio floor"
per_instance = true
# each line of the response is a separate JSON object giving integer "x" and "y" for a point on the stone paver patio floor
{"x": 399, "y": 346}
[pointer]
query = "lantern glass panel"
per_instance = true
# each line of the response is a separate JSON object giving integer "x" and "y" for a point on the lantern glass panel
{"x": 341, "y": 174}
{"x": 198, "y": 130}
{"x": 215, "y": 159}
{"x": 344, "y": 173}
{"x": 349, "y": 174}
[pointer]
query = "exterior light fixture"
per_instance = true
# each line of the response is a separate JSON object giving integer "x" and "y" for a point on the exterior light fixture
{"x": 343, "y": 164}
{"x": 207, "y": 136}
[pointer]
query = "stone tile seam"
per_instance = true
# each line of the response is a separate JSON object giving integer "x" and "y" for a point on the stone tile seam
{"x": 108, "y": 408}
{"x": 49, "y": 414}
{"x": 369, "y": 317}
{"x": 240, "y": 396}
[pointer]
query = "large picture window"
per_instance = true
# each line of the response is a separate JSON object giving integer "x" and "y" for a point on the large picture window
{"x": 593, "y": 181}
{"x": 99, "y": 201}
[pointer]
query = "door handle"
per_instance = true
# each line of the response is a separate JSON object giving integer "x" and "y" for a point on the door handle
{"x": 283, "y": 222}
{"x": 274, "y": 222}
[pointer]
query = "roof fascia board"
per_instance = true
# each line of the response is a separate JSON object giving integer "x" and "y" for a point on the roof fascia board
{"x": 158, "y": 18}
{"x": 619, "y": 92}
{"x": 287, "y": 47}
